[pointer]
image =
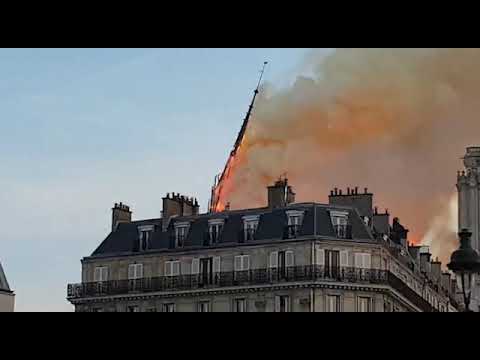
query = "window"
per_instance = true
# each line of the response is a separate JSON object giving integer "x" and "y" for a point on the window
{"x": 145, "y": 233}
{"x": 250, "y": 224}
{"x": 214, "y": 230}
{"x": 332, "y": 263}
{"x": 172, "y": 268}
{"x": 282, "y": 261}
{"x": 181, "y": 232}
{"x": 363, "y": 261}
{"x": 242, "y": 262}
{"x": 340, "y": 223}
{"x": 169, "y": 307}
{"x": 240, "y": 305}
{"x": 295, "y": 219}
{"x": 364, "y": 304}
{"x": 133, "y": 309}
{"x": 282, "y": 303}
{"x": 204, "y": 306}
{"x": 135, "y": 271}
{"x": 333, "y": 303}
{"x": 100, "y": 274}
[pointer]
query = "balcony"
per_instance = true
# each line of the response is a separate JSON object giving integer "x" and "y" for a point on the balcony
{"x": 311, "y": 273}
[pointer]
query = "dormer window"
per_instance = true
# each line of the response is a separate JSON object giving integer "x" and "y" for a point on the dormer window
{"x": 340, "y": 224}
{"x": 250, "y": 224}
{"x": 295, "y": 219}
{"x": 215, "y": 227}
{"x": 145, "y": 234}
{"x": 181, "y": 232}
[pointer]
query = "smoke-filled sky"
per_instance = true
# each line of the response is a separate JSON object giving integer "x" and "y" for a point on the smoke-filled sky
{"x": 81, "y": 129}
{"x": 393, "y": 120}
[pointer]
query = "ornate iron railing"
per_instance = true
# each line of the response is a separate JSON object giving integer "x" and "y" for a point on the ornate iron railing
{"x": 270, "y": 276}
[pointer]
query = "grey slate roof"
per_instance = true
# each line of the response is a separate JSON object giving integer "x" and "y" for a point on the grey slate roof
{"x": 3, "y": 280}
{"x": 271, "y": 227}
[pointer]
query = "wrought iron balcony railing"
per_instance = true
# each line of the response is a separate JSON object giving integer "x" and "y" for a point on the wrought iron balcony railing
{"x": 309, "y": 273}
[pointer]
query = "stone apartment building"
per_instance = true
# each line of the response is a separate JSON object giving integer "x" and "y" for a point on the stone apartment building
{"x": 343, "y": 256}
{"x": 7, "y": 297}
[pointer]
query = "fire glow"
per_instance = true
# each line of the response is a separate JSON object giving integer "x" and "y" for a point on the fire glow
{"x": 393, "y": 120}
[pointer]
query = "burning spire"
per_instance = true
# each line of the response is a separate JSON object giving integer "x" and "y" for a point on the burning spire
{"x": 216, "y": 204}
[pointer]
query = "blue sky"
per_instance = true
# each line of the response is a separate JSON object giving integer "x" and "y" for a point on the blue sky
{"x": 81, "y": 129}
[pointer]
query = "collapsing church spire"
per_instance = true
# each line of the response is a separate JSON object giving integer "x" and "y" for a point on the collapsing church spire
{"x": 215, "y": 205}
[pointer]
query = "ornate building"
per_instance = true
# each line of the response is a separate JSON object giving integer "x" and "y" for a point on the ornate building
{"x": 287, "y": 256}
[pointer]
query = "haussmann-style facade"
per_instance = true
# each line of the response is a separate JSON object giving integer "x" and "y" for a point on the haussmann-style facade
{"x": 343, "y": 256}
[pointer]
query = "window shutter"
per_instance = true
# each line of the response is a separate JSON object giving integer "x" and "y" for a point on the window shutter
{"x": 274, "y": 259}
{"x": 168, "y": 268}
{"x": 344, "y": 258}
{"x": 246, "y": 262}
{"x": 97, "y": 274}
{"x": 139, "y": 272}
{"x": 320, "y": 256}
{"x": 238, "y": 263}
{"x": 359, "y": 261}
{"x": 289, "y": 260}
{"x": 176, "y": 268}
{"x": 216, "y": 264}
{"x": 185, "y": 268}
{"x": 105, "y": 273}
{"x": 367, "y": 261}
{"x": 131, "y": 271}
{"x": 195, "y": 266}
{"x": 277, "y": 303}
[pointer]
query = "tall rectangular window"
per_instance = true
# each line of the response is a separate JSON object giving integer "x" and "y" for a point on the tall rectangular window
{"x": 215, "y": 228}
{"x": 364, "y": 304}
{"x": 250, "y": 224}
{"x": 332, "y": 263}
{"x": 282, "y": 303}
{"x": 204, "y": 306}
{"x": 135, "y": 271}
{"x": 180, "y": 235}
{"x": 240, "y": 305}
{"x": 169, "y": 307}
{"x": 172, "y": 268}
{"x": 340, "y": 223}
{"x": 333, "y": 303}
{"x": 100, "y": 274}
{"x": 144, "y": 240}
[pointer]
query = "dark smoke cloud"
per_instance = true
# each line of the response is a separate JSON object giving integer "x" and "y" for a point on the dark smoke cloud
{"x": 393, "y": 120}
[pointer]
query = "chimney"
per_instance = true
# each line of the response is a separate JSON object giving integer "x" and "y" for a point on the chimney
{"x": 425, "y": 260}
{"x": 362, "y": 202}
{"x": 120, "y": 214}
{"x": 280, "y": 194}
{"x": 177, "y": 205}
{"x": 436, "y": 270}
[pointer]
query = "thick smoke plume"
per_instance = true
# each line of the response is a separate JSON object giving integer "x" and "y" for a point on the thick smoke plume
{"x": 394, "y": 120}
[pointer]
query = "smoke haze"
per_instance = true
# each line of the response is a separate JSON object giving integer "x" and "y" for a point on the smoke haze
{"x": 394, "y": 120}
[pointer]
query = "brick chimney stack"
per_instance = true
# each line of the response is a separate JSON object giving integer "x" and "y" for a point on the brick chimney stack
{"x": 362, "y": 202}
{"x": 280, "y": 194}
{"x": 177, "y": 205}
{"x": 120, "y": 214}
